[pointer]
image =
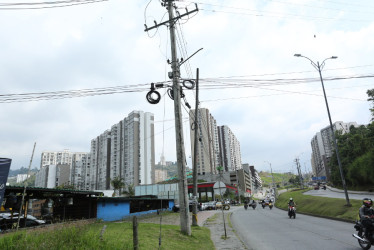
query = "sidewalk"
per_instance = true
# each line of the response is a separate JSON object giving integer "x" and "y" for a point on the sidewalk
{"x": 214, "y": 221}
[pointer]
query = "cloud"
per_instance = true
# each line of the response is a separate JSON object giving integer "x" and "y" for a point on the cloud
{"x": 102, "y": 45}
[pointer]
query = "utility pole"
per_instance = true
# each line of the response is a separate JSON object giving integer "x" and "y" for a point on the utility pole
{"x": 299, "y": 172}
{"x": 24, "y": 191}
{"x": 181, "y": 158}
{"x": 196, "y": 135}
{"x": 175, "y": 75}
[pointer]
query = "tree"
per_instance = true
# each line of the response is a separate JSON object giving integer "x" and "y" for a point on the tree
{"x": 117, "y": 184}
{"x": 130, "y": 191}
{"x": 66, "y": 186}
{"x": 356, "y": 150}
{"x": 370, "y": 93}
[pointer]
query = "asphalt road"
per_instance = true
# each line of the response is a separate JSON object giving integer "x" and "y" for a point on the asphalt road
{"x": 332, "y": 194}
{"x": 272, "y": 229}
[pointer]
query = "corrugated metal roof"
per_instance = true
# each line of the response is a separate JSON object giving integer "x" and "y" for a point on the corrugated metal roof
{"x": 51, "y": 190}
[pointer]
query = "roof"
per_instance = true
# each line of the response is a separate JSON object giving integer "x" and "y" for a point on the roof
{"x": 39, "y": 190}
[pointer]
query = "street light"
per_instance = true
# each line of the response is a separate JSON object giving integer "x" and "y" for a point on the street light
{"x": 272, "y": 177}
{"x": 319, "y": 67}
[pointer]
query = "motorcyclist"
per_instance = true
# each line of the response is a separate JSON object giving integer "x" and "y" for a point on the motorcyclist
{"x": 366, "y": 213}
{"x": 291, "y": 203}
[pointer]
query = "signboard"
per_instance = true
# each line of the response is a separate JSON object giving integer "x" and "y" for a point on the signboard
{"x": 219, "y": 187}
{"x": 4, "y": 171}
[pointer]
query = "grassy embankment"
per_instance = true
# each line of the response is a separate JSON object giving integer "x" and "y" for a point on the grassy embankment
{"x": 320, "y": 206}
{"x": 116, "y": 236}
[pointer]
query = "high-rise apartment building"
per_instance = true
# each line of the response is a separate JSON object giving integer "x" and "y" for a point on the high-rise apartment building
{"x": 56, "y": 157}
{"x": 323, "y": 147}
{"x": 73, "y": 172}
{"x": 207, "y": 147}
{"x": 217, "y": 145}
{"x": 160, "y": 175}
{"x": 229, "y": 149}
{"x": 126, "y": 150}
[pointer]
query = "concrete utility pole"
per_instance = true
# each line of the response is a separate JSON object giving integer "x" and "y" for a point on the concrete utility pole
{"x": 181, "y": 158}
{"x": 272, "y": 176}
{"x": 196, "y": 138}
{"x": 175, "y": 75}
{"x": 299, "y": 172}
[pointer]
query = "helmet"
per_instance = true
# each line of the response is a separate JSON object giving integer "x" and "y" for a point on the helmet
{"x": 291, "y": 199}
{"x": 367, "y": 202}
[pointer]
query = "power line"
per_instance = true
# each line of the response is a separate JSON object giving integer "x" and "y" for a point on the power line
{"x": 46, "y": 5}
{"x": 208, "y": 83}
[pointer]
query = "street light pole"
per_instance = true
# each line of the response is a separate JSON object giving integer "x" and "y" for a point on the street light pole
{"x": 319, "y": 67}
{"x": 272, "y": 176}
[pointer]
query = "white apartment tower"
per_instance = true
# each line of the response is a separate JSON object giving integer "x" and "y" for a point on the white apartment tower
{"x": 55, "y": 157}
{"x": 126, "y": 150}
{"x": 323, "y": 147}
{"x": 229, "y": 149}
{"x": 208, "y": 146}
{"x": 75, "y": 167}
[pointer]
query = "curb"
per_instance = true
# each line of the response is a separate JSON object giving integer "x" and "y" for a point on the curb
{"x": 349, "y": 191}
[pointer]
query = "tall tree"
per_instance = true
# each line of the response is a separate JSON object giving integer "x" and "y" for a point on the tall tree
{"x": 370, "y": 93}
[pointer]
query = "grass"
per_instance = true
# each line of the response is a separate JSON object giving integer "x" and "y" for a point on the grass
{"x": 320, "y": 206}
{"x": 116, "y": 236}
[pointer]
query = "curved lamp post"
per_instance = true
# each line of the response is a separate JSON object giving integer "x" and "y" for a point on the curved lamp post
{"x": 319, "y": 68}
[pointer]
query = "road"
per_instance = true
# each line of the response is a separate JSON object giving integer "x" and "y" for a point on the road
{"x": 272, "y": 229}
{"x": 332, "y": 194}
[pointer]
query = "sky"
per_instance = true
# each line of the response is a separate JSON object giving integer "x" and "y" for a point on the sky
{"x": 248, "y": 75}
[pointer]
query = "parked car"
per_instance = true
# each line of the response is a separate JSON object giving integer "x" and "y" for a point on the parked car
{"x": 203, "y": 206}
{"x": 218, "y": 205}
{"x": 210, "y": 205}
{"x": 8, "y": 222}
{"x": 190, "y": 204}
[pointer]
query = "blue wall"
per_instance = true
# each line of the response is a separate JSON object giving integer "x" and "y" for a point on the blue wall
{"x": 112, "y": 210}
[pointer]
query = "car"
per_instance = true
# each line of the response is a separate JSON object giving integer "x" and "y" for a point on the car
{"x": 316, "y": 187}
{"x": 203, "y": 206}
{"x": 210, "y": 205}
{"x": 190, "y": 206}
{"x": 7, "y": 222}
{"x": 219, "y": 205}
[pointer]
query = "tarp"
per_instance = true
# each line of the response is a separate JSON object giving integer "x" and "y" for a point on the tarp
{"x": 319, "y": 178}
{"x": 4, "y": 171}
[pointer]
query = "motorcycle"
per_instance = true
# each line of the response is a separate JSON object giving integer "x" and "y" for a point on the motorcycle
{"x": 263, "y": 205}
{"x": 270, "y": 205}
{"x": 245, "y": 206}
{"x": 364, "y": 242}
{"x": 292, "y": 212}
{"x": 254, "y": 205}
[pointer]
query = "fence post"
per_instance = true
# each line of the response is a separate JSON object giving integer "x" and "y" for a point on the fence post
{"x": 135, "y": 232}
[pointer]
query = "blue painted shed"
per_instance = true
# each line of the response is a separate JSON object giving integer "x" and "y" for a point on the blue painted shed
{"x": 118, "y": 208}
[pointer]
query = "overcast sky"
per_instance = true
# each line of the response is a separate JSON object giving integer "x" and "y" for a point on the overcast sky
{"x": 250, "y": 79}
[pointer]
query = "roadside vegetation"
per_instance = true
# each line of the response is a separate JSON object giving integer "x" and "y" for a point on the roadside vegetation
{"x": 117, "y": 235}
{"x": 320, "y": 206}
{"x": 356, "y": 150}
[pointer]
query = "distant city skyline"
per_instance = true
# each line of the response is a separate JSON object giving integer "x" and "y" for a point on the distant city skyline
{"x": 90, "y": 69}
